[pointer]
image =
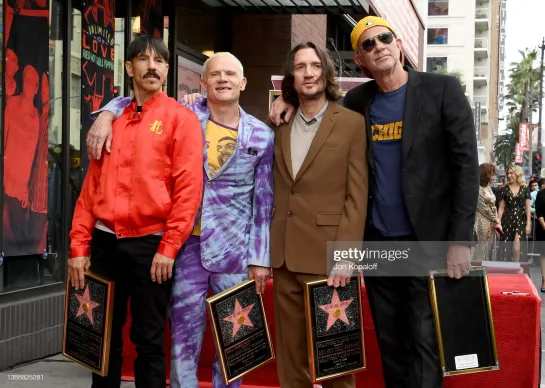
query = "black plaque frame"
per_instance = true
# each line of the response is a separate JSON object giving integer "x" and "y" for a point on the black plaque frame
{"x": 212, "y": 304}
{"x": 464, "y": 325}
{"x": 312, "y": 336}
{"x": 100, "y": 367}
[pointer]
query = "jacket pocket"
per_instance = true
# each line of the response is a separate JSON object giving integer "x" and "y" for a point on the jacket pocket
{"x": 165, "y": 197}
{"x": 328, "y": 219}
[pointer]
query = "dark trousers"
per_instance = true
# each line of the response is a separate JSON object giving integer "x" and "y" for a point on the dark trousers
{"x": 128, "y": 262}
{"x": 291, "y": 334}
{"x": 402, "y": 315}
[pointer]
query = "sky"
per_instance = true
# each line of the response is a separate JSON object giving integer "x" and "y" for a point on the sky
{"x": 525, "y": 27}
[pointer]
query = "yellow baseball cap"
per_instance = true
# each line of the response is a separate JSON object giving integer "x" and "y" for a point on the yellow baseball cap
{"x": 367, "y": 23}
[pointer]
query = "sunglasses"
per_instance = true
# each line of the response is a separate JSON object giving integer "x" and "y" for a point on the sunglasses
{"x": 369, "y": 44}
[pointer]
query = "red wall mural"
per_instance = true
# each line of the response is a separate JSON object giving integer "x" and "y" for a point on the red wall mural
{"x": 26, "y": 122}
{"x": 151, "y": 19}
{"x": 97, "y": 61}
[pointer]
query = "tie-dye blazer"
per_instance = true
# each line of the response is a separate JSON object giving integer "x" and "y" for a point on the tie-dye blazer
{"x": 237, "y": 202}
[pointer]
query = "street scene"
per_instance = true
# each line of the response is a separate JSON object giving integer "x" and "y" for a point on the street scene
{"x": 266, "y": 193}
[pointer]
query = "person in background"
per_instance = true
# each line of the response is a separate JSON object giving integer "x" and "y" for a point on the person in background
{"x": 514, "y": 213}
{"x": 540, "y": 229}
{"x": 534, "y": 188}
{"x": 486, "y": 218}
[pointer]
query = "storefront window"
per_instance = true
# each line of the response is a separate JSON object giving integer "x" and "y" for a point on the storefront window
{"x": 32, "y": 195}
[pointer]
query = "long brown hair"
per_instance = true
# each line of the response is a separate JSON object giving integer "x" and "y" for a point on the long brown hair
{"x": 486, "y": 170}
{"x": 332, "y": 89}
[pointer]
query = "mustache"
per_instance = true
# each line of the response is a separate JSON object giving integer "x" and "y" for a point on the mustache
{"x": 152, "y": 74}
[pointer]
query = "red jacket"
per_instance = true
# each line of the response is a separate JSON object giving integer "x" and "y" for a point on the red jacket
{"x": 150, "y": 182}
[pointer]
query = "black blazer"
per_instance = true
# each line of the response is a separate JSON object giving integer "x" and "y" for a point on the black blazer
{"x": 440, "y": 166}
{"x": 539, "y": 204}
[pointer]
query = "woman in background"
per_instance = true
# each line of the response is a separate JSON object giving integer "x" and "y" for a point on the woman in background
{"x": 514, "y": 213}
{"x": 540, "y": 229}
{"x": 486, "y": 218}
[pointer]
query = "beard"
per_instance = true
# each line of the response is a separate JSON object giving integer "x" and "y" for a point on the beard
{"x": 314, "y": 95}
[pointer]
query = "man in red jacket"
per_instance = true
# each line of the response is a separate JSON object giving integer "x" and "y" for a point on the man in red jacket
{"x": 137, "y": 208}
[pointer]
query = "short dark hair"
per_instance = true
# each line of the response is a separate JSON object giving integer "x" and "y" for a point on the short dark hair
{"x": 144, "y": 42}
{"x": 541, "y": 181}
{"x": 486, "y": 169}
{"x": 332, "y": 89}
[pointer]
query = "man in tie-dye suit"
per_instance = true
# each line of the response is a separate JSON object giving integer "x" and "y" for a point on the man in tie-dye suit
{"x": 230, "y": 242}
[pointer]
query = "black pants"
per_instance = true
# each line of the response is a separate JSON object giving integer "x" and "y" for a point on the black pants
{"x": 128, "y": 262}
{"x": 403, "y": 321}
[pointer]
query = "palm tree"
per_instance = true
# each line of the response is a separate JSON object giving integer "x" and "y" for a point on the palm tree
{"x": 521, "y": 99}
{"x": 504, "y": 145}
{"x": 524, "y": 85}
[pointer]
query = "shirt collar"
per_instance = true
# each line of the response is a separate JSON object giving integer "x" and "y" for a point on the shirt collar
{"x": 316, "y": 118}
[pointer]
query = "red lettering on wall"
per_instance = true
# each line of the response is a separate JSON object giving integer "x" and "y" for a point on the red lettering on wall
{"x": 85, "y": 44}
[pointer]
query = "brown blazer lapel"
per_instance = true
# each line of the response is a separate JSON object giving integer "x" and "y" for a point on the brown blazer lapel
{"x": 286, "y": 144}
{"x": 325, "y": 128}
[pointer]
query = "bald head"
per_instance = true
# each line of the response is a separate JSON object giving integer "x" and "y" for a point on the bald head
{"x": 226, "y": 59}
{"x": 223, "y": 79}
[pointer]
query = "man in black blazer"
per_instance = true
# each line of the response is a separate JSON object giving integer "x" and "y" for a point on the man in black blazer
{"x": 423, "y": 186}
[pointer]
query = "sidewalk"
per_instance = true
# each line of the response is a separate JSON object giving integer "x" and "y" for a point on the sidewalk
{"x": 57, "y": 371}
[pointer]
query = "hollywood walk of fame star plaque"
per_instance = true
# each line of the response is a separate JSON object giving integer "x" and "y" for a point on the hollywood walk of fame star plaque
{"x": 87, "y": 323}
{"x": 334, "y": 317}
{"x": 240, "y": 330}
{"x": 463, "y": 322}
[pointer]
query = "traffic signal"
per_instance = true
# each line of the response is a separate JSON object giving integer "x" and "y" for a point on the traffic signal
{"x": 536, "y": 162}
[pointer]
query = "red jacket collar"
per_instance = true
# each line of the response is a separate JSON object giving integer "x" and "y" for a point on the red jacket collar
{"x": 151, "y": 103}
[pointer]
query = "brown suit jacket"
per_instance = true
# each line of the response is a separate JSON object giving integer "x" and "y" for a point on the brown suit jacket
{"x": 327, "y": 200}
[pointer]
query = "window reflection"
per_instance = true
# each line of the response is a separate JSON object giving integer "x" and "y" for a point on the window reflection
{"x": 32, "y": 140}
{"x": 437, "y": 7}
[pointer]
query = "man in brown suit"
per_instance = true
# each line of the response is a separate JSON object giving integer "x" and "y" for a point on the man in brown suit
{"x": 320, "y": 174}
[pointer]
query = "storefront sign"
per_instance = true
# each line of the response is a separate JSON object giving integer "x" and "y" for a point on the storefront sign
{"x": 524, "y": 137}
{"x": 189, "y": 76}
{"x": 401, "y": 14}
{"x": 501, "y": 64}
{"x": 477, "y": 113}
{"x": 97, "y": 62}
{"x": 26, "y": 125}
{"x": 518, "y": 153}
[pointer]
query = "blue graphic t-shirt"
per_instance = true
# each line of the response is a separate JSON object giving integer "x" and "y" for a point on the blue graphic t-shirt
{"x": 389, "y": 212}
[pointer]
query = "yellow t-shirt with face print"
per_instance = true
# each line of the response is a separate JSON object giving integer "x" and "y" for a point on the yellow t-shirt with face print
{"x": 220, "y": 146}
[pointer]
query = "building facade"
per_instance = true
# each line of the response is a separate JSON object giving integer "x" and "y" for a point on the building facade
{"x": 462, "y": 37}
{"x": 63, "y": 59}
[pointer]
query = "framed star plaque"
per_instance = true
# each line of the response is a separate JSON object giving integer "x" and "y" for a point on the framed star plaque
{"x": 334, "y": 316}
{"x": 464, "y": 325}
{"x": 88, "y": 323}
{"x": 240, "y": 330}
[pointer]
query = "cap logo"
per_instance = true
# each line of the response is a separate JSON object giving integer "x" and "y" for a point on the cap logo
{"x": 369, "y": 23}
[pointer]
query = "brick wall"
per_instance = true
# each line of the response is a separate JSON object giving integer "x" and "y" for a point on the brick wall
{"x": 262, "y": 43}
{"x": 306, "y": 28}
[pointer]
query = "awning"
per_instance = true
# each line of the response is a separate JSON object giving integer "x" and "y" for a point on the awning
{"x": 295, "y": 6}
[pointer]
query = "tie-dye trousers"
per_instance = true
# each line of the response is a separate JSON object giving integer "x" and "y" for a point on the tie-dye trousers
{"x": 188, "y": 315}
